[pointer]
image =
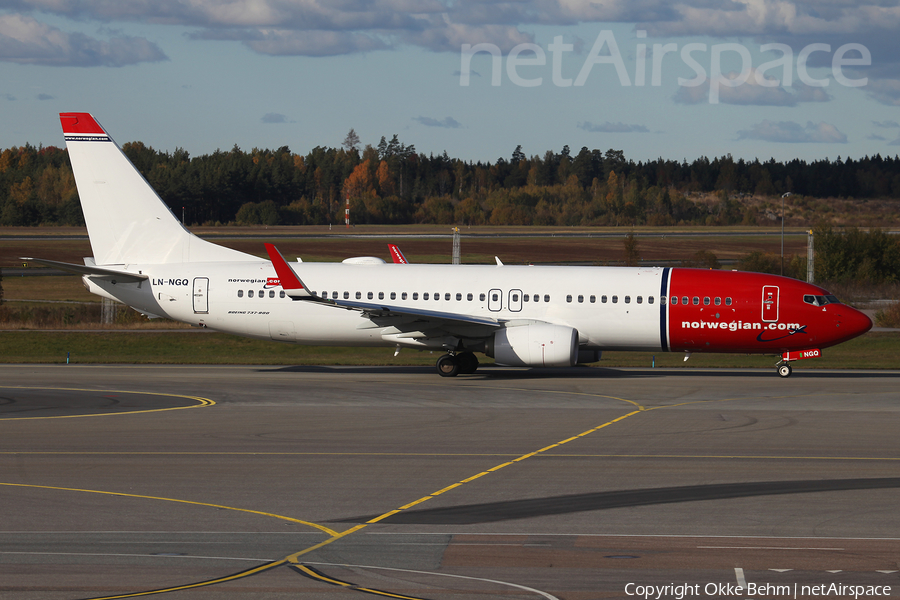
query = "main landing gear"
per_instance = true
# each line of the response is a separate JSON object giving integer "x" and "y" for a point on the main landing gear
{"x": 451, "y": 365}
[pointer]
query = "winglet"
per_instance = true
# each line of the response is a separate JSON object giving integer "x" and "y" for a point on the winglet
{"x": 290, "y": 283}
{"x": 397, "y": 256}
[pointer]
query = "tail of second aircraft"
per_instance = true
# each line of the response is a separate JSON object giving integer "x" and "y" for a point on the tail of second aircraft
{"x": 128, "y": 223}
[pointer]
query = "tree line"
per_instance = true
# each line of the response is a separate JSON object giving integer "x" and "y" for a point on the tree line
{"x": 393, "y": 183}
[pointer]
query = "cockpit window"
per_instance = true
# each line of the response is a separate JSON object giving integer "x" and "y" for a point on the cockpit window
{"x": 820, "y": 300}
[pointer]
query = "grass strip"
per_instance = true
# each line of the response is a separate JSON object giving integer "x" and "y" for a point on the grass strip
{"x": 878, "y": 350}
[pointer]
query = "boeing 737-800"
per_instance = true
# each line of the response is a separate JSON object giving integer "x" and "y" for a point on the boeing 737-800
{"x": 519, "y": 315}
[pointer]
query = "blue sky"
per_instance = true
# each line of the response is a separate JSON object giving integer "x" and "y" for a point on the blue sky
{"x": 203, "y": 75}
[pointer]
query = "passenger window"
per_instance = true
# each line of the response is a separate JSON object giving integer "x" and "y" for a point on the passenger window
{"x": 403, "y": 295}
{"x": 593, "y": 299}
{"x": 481, "y": 296}
{"x": 271, "y": 293}
{"x": 346, "y": 295}
{"x": 685, "y": 300}
{"x": 469, "y": 296}
{"x": 662, "y": 300}
{"x": 262, "y": 293}
{"x": 696, "y": 300}
{"x": 603, "y": 299}
{"x": 718, "y": 301}
{"x": 240, "y": 293}
{"x": 615, "y": 299}
{"x": 537, "y": 298}
{"x": 458, "y": 297}
{"x": 524, "y": 297}
{"x": 281, "y": 294}
{"x": 515, "y": 298}
{"x": 706, "y": 301}
{"x": 437, "y": 296}
{"x": 249, "y": 293}
{"x": 639, "y": 299}
{"x": 649, "y": 299}
{"x": 627, "y": 299}
{"x": 495, "y": 297}
{"x": 381, "y": 295}
{"x": 359, "y": 295}
{"x": 416, "y": 296}
{"x": 424, "y": 296}
{"x": 446, "y": 296}
{"x": 727, "y": 301}
{"x": 546, "y": 297}
{"x": 393, "y": 295}
{"x": 569, "y": 298}
{"x": 370, "y": 296}
{"x": 580, "y": 299}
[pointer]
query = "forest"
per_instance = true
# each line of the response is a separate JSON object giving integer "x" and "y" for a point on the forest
{"x": 392, "y": 183}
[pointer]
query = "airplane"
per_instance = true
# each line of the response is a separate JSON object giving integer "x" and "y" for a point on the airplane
{"x": 531, "y": 316}
{"x": 396, "y": 255}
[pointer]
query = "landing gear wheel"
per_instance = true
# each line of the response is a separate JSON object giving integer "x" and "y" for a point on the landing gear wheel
{"x": 447, "y": 366}
{"x": 468, "y": 362}
{"x": 785, "y": 370}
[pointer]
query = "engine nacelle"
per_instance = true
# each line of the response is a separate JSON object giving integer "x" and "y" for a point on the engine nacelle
{"x": 538, "y": 345}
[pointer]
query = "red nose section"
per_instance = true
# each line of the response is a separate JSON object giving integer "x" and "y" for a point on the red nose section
{"x": 851, "y": 323}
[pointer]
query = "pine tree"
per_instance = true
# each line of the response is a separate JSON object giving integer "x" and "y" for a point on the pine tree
{"x": 351, "y": 142}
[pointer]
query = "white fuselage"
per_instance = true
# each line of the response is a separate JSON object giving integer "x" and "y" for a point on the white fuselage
{"x": 242, "y": 298}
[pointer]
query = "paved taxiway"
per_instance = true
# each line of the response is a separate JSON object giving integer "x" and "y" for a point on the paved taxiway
{"x": 272, "y": 482}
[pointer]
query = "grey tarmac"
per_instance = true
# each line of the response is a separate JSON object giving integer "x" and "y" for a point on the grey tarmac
{"x": 240, "y": 482}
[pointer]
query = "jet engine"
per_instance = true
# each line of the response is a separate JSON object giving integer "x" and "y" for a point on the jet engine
{"x": 537, "y": 345}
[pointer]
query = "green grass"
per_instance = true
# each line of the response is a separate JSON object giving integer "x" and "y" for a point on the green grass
{"x": 871, "y": 351}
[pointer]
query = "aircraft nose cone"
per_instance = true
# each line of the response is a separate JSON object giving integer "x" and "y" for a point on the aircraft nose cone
{"x": 852, "y": 323}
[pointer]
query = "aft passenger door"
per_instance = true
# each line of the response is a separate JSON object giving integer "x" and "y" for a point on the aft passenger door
{"x": 770, "y": 303}
{"x": 201, "y": 295}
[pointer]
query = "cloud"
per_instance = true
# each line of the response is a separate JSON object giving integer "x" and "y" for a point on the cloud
{"x": 895, "y": 142}
{"x": 886, "y": 124}
{"x": 45, "y": 97}
{"x": 758, "y": 90}
{"x": 886, "y": 91}
{"x": 446, "y": 36}
{"x": 447, "y": 122}
{"x": 275, "y": 118}
{"x": 9, "y": 97}
{"x": 609, "y": 127}
{"x": 329, "y": 28}
{"x": 793, "y": 133}
{"x": 873, "y": 136}
{"x": 283, "y": 42}
{"x": 27, "y": 41}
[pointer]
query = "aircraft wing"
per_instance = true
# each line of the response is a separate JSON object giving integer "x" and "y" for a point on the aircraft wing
{"x": 405, "y": 319}
{"x": 103, "y": 272}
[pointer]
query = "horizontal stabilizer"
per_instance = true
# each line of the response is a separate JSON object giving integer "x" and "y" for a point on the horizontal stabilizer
{"x": 104, "y": 272}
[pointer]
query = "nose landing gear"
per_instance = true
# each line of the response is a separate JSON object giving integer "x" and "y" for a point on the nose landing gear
{"x": 784, "y": 370}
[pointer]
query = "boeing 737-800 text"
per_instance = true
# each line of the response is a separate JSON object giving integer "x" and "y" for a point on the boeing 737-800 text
{"x": 519, "y": 315}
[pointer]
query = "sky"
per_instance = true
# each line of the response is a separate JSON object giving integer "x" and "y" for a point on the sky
{"x": 787, "y": 79}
